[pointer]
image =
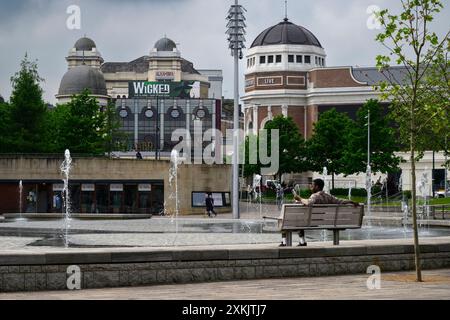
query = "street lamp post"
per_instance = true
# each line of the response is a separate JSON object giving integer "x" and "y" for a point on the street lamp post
{"x": 157, "y": 133}
{"x": 236, "y": 31}
{"x": 369, "y": 169}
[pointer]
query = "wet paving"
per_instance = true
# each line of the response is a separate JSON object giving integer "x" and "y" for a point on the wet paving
{"x": 171, "y": 231}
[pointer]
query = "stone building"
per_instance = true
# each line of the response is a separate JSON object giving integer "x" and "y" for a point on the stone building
{"x": 287, "y": 74}
{"x": 154, "y": 94}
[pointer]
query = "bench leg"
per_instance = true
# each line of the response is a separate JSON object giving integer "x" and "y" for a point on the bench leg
{"x": 336, "y": 237}
{"x": 289, "y": 239}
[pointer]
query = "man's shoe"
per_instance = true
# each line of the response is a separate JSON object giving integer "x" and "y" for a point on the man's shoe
{"x": 304, "y": 244}
{"x": 282, "y": 245}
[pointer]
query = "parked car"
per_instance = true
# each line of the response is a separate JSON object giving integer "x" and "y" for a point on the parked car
{"x": 442, "y": 193}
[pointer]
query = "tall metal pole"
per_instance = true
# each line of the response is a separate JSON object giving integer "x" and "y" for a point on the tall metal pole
{"x": 446, "y": 169}
{"x": 236, "y": 214}
{"x": 369, "y": 170}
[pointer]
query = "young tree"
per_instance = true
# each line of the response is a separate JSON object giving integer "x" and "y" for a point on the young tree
{"x": 292, "y": 152}
{"x": 383, "y": 142}
{"x": 27, "y": 109}
{"x": 327, "y": 146}
{"x": 414, "y": 105}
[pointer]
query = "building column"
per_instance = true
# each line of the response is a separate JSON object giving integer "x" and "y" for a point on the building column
{"x": 284, "y": 110}
{"x": 255, "y": 120}
{"x": 305, "y": 134}
{"x": 213, "y": 118}
{"x": 161, "y": 125}
{"x": 247, "y": 116}
{"x": 136, "y": 123}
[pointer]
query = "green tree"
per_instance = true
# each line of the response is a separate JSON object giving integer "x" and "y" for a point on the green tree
{"x": 292, "y": 151}
{"x": 251, "y": 155}
{"x": 81, "y": 126}
{"x": 414, "y": 103}
{"x": 112, "y": 132}
{"x": 7, "y": 144}
{"x": 383, "y": 142}
{"x": 328, "y": 144}
{"x": 27, "y": 109}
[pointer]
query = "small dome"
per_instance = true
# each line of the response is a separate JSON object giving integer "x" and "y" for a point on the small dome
{"x": 85, "y": 44}
{"x": 286, "y": 33}
{"x": 165, "y": 44}
{"x": 77, "y": 79}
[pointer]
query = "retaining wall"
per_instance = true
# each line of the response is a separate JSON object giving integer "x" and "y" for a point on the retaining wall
{"x": 127, "y": 267}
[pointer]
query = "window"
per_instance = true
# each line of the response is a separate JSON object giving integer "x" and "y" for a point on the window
{"x": 307, "y": 59}
{"x": 278, "y": 58}
{"x": 317, "y": 62}
{"x": 290, "y": 58}
{"x": 262, "y": 59}
{"x": 299, "y": 59}
{"x": 270, "y": 59}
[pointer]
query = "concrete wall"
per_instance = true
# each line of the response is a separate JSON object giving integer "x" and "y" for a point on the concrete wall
{"x": 191, "y": 178}
{"x": 122, "y": 267}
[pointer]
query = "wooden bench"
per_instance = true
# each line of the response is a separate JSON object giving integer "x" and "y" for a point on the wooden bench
{"x": 296, "y": 217}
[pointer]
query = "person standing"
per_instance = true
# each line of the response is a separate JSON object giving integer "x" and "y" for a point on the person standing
{"x": 210, "y": 205}
{"x": 280, "y": 195}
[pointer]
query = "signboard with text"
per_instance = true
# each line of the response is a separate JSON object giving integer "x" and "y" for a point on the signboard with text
{"x": 147, "y": 89}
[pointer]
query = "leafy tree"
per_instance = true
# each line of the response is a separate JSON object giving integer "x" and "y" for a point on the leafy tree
{"x": 415, "y": 104}
{"x": 249, "y": 169}
{"x": 383, "y": 142}
{"x": 81, "y": 126}
{"x": 7, "y": 144}
{"x": 27, "y": 109}
{"x": 328, "y": 144}
{"x": 292, "y": 151}
{"x": 112, "y": 132}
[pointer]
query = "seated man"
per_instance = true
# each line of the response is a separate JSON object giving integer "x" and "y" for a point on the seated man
{"x": 318, "y": 197}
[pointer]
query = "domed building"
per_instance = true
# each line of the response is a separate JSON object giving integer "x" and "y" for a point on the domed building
{"x": 164, "y": 63}
{"x": 154, "y": 94}
{"x": 84, "y": 52}
{"x": 287, "y": 74}
{"x": 80, "y": 78}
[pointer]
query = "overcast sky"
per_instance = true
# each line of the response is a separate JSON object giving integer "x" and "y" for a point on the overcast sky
{"x": 125, "y": 30}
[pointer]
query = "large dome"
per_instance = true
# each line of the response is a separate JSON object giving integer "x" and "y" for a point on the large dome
{"x": 80, "y": 78}
{"x": 165, "y": 44}
{"x": 286, "y": 33}
{"x": 85, "y": 44}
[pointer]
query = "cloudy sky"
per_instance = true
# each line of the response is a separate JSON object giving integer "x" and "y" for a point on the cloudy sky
{"x": 126, "y": 30}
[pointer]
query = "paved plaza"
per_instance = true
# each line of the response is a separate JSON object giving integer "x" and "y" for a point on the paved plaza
{"x": 181, "y": 231}
{"x": 396, "y": 285}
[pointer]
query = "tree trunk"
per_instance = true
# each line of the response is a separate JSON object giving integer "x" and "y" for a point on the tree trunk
{"x": 414, "y": 212}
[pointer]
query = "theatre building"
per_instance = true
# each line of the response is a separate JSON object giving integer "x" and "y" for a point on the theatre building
{"x": 154, "y": 95}
{"x": 287, "y": 74}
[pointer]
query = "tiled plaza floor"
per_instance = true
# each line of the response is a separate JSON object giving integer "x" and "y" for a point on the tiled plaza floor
{"x": 398, "y": 285}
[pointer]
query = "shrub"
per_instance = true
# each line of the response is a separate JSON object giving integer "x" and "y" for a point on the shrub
{"x": 357, "y": 192}
{"x": 407, "y": 194}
